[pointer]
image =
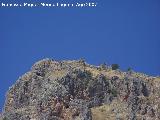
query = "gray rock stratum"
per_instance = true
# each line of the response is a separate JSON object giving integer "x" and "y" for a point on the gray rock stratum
{"x": 75, "y": 90}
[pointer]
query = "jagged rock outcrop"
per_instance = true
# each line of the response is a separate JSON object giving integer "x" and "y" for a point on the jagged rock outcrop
{"x": 75, "y": 90}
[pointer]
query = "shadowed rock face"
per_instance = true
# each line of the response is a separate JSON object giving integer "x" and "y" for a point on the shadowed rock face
{"x": 75, "y": 90}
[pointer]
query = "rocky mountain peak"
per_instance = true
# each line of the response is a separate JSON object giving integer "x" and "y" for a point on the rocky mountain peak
{"x": 76, "y": 90}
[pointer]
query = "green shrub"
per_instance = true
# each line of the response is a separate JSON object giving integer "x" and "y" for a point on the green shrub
{"x": 114, "y": 92}
{"x": 129, "y": 69}
{"x": 5, "y": 118}
{"x": 115, "y": 66}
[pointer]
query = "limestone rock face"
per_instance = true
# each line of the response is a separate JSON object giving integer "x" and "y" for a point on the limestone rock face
{"x": 75, "y": 90}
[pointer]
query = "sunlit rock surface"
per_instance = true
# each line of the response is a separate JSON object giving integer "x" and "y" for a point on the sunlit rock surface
{"x": 75, "y": 90}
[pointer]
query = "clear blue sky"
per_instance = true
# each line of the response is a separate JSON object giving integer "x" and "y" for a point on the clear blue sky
{"x": 117, "y": 31}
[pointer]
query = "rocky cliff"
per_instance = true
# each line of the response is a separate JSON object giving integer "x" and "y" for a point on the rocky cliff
{"x": 75, "y": 90}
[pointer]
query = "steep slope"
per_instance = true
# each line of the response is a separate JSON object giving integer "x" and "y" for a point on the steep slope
{"x": 75, "y": 90}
